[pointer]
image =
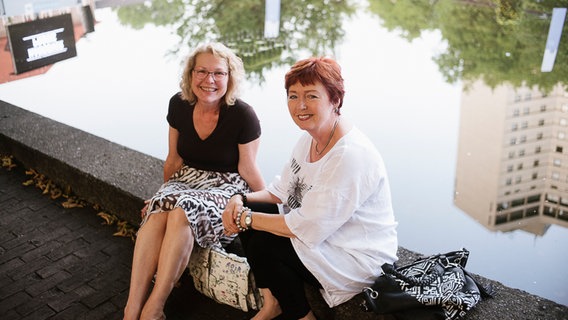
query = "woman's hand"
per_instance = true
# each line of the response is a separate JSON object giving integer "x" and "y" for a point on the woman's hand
{"x": 230, "y": 213}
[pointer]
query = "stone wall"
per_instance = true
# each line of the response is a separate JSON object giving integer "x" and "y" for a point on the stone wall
{"x": 101, "y": 172}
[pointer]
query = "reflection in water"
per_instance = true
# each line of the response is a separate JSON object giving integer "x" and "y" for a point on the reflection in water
{"x": 512, "y": 159}
{"x": 553, "y": 39}
{"x": 496, "y": 41}
{"x": 310, "y": 25}
{"x": 512, "y": 164}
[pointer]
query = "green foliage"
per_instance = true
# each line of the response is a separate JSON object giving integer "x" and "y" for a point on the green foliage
{"x": 159, "y": 13}
{"x": 498, "y": 41}
{"x": 312, "y": 25}
{"x": 409, "y": 17}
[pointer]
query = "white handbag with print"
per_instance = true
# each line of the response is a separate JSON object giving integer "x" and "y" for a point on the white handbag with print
{"x": 224, "y": 277}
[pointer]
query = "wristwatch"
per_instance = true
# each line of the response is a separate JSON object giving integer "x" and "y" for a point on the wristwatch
{"x": 248, "y": 219}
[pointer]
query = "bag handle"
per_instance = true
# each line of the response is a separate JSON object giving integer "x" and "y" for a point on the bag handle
{"x": 434, "y": 271}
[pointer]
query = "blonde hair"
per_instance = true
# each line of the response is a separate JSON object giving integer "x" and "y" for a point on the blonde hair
{"x": 236, "y": 71}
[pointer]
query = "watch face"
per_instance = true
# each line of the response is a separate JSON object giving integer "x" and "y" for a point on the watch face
{"x": 248, "y": 220}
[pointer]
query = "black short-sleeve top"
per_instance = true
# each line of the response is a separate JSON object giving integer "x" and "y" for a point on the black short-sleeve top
{"x": 237, "y": 124}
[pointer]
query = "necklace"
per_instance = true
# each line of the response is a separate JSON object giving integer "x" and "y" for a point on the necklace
{"x": 328, "y": 140}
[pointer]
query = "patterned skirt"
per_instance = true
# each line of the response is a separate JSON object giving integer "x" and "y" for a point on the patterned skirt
{"x": 203, "y": 196}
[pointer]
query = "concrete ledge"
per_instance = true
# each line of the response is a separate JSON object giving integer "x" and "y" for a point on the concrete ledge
{"x": 119, "y": 179}
{"x": 508, "y": 303}
{"x": 97, "y": 170}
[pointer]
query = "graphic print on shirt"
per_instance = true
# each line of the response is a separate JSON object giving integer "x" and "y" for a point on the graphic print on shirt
{"x": 297, "y": 187}
{"x": 295, "y": 166}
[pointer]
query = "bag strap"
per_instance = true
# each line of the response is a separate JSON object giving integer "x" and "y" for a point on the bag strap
{"x": 433, "y": 272}
{"x": 438, "y": 264}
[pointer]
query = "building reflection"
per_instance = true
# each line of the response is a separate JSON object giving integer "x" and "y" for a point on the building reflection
{"x": 512, "y": 162}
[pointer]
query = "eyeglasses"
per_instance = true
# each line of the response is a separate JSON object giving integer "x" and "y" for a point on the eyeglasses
{"x": 200, "y": 74}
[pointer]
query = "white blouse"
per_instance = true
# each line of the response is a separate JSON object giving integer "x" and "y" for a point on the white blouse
{"x": 341, "y": 214}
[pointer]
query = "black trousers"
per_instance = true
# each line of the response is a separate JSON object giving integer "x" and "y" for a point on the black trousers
{"x": 276, "y": 266}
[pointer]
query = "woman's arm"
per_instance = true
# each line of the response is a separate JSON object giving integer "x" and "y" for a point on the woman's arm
{"x": 173, "y": 160}
{"x": 248, "y": 167}
{"x": 273, "y": 223}
{"x": 237, "y": 202}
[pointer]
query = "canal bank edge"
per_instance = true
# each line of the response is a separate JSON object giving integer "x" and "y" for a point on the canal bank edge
{"x": 96, "y": 170}
{"x": 119, "y": 179}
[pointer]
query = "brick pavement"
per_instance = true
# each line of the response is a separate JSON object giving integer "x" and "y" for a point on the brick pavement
{"x": 58, "y": 263}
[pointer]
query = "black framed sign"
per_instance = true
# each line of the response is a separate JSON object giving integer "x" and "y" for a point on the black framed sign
{"x": 41, "y": 42}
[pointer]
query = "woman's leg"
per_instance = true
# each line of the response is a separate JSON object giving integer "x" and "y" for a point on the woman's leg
{"x": 277, "y": 267}
{"x": 173, "y": 259}
{"x": 144, "y": 263}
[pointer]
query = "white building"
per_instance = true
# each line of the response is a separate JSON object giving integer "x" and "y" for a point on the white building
{"x": 512, "y": 164}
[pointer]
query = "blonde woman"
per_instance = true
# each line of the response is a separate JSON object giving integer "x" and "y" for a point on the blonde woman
{"x": 213, "y": 142}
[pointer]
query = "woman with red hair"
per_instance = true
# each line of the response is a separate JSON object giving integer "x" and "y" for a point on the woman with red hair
{"x": 336, "y": 227}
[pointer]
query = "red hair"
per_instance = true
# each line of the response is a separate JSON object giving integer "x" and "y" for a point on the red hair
{"x": 324, "y": 70}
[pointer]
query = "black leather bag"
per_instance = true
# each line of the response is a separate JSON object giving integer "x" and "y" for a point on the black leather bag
{"x": 434, "y": 287}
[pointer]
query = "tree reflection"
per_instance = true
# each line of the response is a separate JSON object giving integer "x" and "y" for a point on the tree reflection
{"x": 311, "y": 25}
{"x": 497, "y": 41}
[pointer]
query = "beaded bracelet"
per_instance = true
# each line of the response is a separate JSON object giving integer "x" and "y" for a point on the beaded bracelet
{"x": 238, "y": 220}
{"x": 242, "y": 194}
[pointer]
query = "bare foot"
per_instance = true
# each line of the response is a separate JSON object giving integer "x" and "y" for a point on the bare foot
{"x": 157, "y": 316}
{"x": 309, "y": 316}
{"x": 267, "y": 314}
{"x": 131, "y": 315}
{"x": 270, "y": 307}
{"x": 150, "y": 313}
